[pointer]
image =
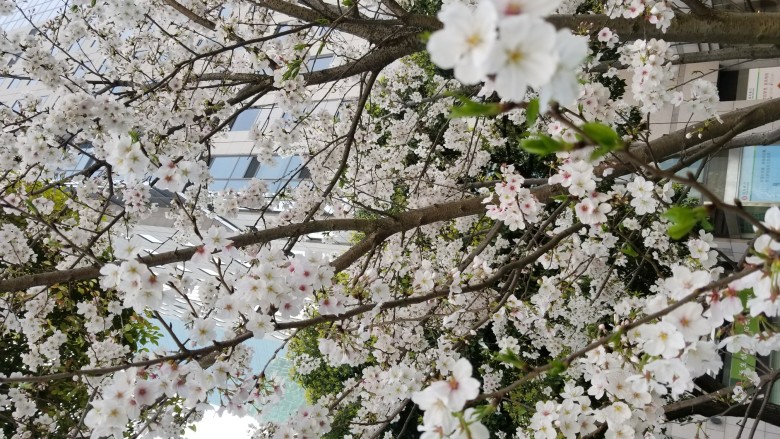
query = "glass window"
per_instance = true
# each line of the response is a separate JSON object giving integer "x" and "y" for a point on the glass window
{"x": 251, "y": 170}
{"x": 217, "y": 185}
{"x": 274, "y": 170}
{"x": 320, "y": 31}
{"x": 222, "y": 167}
{"x": 14, "y": 82}
{"x": 245, "y": 120}
{"x": 294, "y": 168}
{"x": 84, "y": 162}
{"x": 263, "y": 115}
{"x": 274, "y": 186}
{"x": 319, "y": 63}
{"x": 241, "y": 165}
{"x": 759, "y": 180}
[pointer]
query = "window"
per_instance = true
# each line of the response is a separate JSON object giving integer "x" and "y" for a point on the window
{"x": 232, "y": 172}
{"x": 222, "y": 167}
{"x": 14, "y": 82}
{"x": 245, "y": 120}
{"x": 150, "y": 238}
{"x": 728, "y": 83}
{"x": 82, "y": 162}
{"x": 80, "y": 72}
{"x": 317, "y": 63}
{"x": 235, "y": 172}
{"x": 256, "y": 116}
{"x": 283, "y": 28}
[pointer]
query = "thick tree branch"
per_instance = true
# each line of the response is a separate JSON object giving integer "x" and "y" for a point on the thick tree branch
{"x": 698, "y": 7}
{"x": 666, "y": 146}
{"x": 720, "y": 27}
{"x": 374, "y": 61}
{"x": 373, "y": 31}
{"x": 217, "y": 346}
{"x": 716, "y": 403}
{"x": 208, "y": 24}
{"x": 728, "y": 53}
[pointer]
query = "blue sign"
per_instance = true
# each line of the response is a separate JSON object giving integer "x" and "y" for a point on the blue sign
{"x": 759, "y": 176}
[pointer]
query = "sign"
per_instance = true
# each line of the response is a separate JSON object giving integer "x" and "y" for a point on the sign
{"x": 763, "y": 83}
{"x": 759, "y": 174}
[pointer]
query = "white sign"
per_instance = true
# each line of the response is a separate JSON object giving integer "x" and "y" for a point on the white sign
{"x": 763, "y": 83}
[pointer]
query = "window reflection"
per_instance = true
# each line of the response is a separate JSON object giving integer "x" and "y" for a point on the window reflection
{"x": 235, "y": 172}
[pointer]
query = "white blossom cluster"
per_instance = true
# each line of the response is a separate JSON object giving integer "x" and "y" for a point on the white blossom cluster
{"x": 509, "y": 42}
{"x": 517, "y": 206}
{"x": 659, "y": 13}
{"x": 653, "y": 73}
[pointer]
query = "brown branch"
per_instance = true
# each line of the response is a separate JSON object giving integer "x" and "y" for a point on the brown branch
{"x": 668, "y": 145}
{"x": 208, "y": 24}
{"x": 698, "y": 7}
{"x": 715, "y": 404}
{"x": 724, "y": 54}
{"x": 720, "y": 27}
{"x": 217, "y": 346}
{"x": 374, "y": 61}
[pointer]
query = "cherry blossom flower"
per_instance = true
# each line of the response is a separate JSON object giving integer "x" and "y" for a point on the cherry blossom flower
{"x": 662, "y": 339}
{"x": 523, "y": 55}
{"x": 465, "y": 41}
{"x": 591, "y": 212}
{"x": 689, "y": 321}
{"x": 564, "y": 86}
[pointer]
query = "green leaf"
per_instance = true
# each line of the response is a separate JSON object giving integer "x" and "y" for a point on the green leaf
{"x": 292, "y": 71}
{"x": 706, "y": 225}
{"x": 531, "y": 112}
{"x": 628, "y": 249}
{"x": 469, "y": 108}
{"x": 557, "y": 367}
{"x": 484, "y": 411}
{"x": 510, "y": 358}
{"x": 605, "y": 137}
{"x": 542, "y": 145}
{"x": 683, "y": 219}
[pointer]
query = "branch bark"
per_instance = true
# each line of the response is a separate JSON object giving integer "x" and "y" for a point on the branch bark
{"x": 719, "y": 27}
{"x": 745, "y": 119}
{"x": 715, "y": 404}
{"x": 728, "y": 53}
{"x": 208, "y": 24}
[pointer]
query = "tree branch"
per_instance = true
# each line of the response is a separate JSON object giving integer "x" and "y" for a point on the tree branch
{"x": 208, "y": 24}
{"x": 719, "y": 27}
{"x": 715, "y": 403}
{"x": 666, "y": 146}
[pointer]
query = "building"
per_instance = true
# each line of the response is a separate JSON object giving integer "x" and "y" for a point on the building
{"x": 750, "y": 174}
